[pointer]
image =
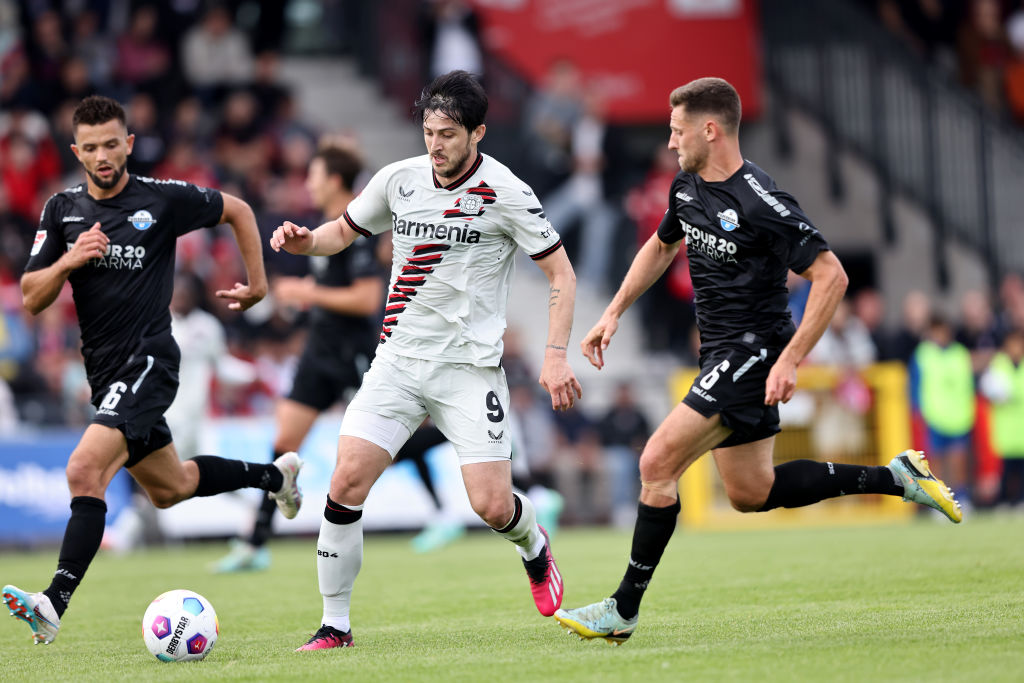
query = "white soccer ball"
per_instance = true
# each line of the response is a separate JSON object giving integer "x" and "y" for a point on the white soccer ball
{"x": 180, "y": 626}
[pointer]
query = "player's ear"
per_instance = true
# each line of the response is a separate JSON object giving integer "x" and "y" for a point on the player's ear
{"x": 130, "y": 142}
{"x": 478, "y": 133}
{"x": 74, "y": 149}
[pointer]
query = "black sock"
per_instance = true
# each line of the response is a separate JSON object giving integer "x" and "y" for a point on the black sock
{"x": 264, "y": 525}
{"x": 82, "y": 538}
{"x": 654, "y": 527}
{"x": 804, "y": 482}
{"x": 336, "y": 513}
{"x": 217, "y": 475}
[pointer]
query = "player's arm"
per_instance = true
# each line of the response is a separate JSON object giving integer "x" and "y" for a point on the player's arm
{"x": 238, "y": 214}
{"x": 828, "y": 285}
{"x": 329, "y": 238}
{"x": 556, "y": 376}
{"x": 649, "y": 264}
{"x": 40, "y": 288}
{"x": 361, "y": 298}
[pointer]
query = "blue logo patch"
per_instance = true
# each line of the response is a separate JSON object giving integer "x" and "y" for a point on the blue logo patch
{"x": 142, "y": 220}
{"x": 729, "y": 220}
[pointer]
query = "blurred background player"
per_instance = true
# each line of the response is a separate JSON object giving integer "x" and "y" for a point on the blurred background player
{"x": 942, "y": 389}
{"x": 1003, "y": 385}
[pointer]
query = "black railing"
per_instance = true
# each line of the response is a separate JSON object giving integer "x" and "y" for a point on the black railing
{"x": 926, "y": 137}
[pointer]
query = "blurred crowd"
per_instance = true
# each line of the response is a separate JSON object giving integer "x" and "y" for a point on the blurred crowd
{"x": 980, "y": 43}
{"x": 966, "y": 383}
{"x": 207, "y": 104}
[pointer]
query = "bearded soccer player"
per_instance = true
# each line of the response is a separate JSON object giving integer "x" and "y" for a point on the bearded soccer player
{"x": 457, "y": 218}
{"x": 742, "y": 236}
{"x": 113, "y": 238}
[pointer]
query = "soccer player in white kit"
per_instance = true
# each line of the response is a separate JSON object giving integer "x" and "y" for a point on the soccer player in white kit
{"x": 457, "y": 218}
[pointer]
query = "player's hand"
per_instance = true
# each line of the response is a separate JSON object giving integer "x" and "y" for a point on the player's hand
{"x": 781, "y": 382}
{"x": 242, "y": 296}
{"x": 557, "y": 378}
{"x": 93, "y": 243}
{"x": 596, "y": 341}
{"x": 294, "y": 291}
{"x": 295, "y": 239}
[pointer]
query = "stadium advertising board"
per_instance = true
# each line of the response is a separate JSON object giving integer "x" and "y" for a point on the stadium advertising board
{"x": 634, "y": 52}
{"x": 34, "y": 498}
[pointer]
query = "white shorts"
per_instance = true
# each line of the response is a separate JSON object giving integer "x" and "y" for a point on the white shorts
{"x": 469, "y": 404}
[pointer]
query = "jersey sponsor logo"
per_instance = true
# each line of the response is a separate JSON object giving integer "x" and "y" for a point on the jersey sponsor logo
{"x": 771, "y": 201}
{"x": 72, "y": 219}
{"x": 142, "y": 220}
{"x": 709, "y": 244}
{"x": 728, "y": 220}
{"x": 430, "y": 231}
{"x": 528, "y": 193}
{"x": 684, "y": 197}
{"x": 37, "y": 243}
{"x": 472, "y": 203}
{"x": 118, "y": 256}
{"x": 403, "y": 194}
{"x": 495, "y": 438}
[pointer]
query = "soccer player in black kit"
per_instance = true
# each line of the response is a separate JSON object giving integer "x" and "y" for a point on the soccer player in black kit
{"x": 113, "y": 238}
{"x": 742, "y": 236}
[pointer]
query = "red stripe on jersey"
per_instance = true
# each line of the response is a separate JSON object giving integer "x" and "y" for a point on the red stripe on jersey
{"x": 352, "y": 224}
{"x": 430, "y": 248}
{"x": 547, "y": 252}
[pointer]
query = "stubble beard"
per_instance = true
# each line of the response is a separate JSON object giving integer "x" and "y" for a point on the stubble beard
{"x": 115, "y": 177}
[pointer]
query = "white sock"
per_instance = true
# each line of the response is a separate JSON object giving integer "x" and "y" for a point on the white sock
{"x": 525, "y": 534}
{"x": 339, "y": 556}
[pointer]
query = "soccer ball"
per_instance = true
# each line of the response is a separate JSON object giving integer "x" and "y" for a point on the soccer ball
{"x": 180, "y": 626}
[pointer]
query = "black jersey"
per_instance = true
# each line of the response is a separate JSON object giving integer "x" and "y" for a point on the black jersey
{"x": 742, "y": 236}
{"x": 123, "y": 298}
{"x": 356, "y": 261}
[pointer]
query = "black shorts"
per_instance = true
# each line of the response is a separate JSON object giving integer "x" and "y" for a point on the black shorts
{"x": 324, "y": 374}
{"x": 135, "y": 403}
{"x": 731, "y": 383}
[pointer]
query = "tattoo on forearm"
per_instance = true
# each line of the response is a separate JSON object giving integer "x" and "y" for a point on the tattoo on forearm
{"x": 554, "y": 297}
{"x": 556, "y": 347}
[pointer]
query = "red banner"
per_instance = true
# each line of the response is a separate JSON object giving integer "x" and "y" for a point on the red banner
{"x": 634, "y": 52}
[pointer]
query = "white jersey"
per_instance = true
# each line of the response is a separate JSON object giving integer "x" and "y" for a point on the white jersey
{"x": 454, "y": 249}
{"x": 201, "y": 339}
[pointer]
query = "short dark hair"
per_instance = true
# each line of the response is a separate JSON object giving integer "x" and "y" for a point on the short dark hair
{"x": 342, "y": 161}
{"x": 456, "y": 94}
{"x": 713, "y": 96}
{"x": 97, "y": 109}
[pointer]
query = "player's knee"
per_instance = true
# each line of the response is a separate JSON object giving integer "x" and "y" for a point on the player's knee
{"x": 654, "y": 466}
{"x": 349, "y": 487}
{"x": 494, "y": 513}
{"x": 83, "y": 479}
{"x": 746, "y": 498}
{"x": 163, "y": 499}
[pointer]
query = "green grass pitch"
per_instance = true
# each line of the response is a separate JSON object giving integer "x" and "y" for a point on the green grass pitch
{"x": 917, "y": 601}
